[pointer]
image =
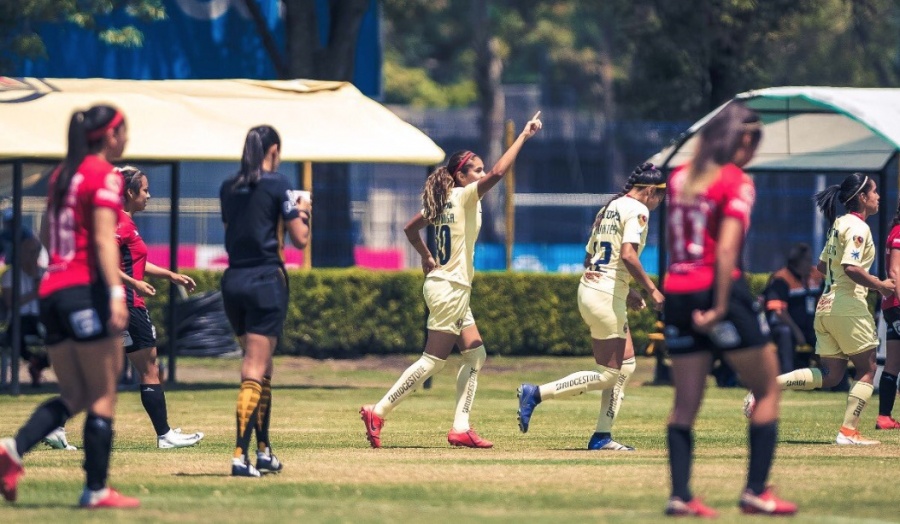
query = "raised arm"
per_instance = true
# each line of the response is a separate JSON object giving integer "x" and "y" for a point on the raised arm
{"x": 492, "y": 177}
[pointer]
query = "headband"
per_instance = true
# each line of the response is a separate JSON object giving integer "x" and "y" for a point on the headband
{"x": 98, "y": 133}
{"x": 658, "y": 186}
{"x": 468, "y": 156}
{"x": 865, "y": 181}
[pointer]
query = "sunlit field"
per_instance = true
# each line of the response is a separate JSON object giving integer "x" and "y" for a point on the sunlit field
{"x": 547, "y": 475}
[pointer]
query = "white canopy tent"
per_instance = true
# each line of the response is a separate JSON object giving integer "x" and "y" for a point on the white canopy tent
{"x": 170, "y": 121}
{"x": 813, "y": 130}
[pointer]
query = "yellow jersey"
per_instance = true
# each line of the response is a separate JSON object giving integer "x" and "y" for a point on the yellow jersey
{"x": 624, "y": 220}
{"x": 849, "y": 242}
{"x": 455, "y": 232}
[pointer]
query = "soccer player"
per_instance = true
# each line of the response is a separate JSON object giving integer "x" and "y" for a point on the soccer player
{"x": 890, "y": 307}
{"x": 82, "y": 303}
{"x": 844, "y": 327}
{"x": 258, "y": 205}
{"x": 709, "y": 310}
{"x": 452, "y": 205}
{"x": 612, "y": 259}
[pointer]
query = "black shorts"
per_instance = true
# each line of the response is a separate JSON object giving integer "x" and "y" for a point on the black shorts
{"x": 744, "y": 326}
{"x": 140, "y": 334}
{"x": 256, "y": 299}
{"x": 79, "y": 313}
{"x": 892, "y": 321}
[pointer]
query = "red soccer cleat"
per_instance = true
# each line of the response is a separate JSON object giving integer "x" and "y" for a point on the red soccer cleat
{"x": 10, "y": 469}
{"x": 765, "y": 503}
{"x": 468, "y": 439}
{"x": 373, "y": 423}
{"x": 695, "y": 508}
{"x": 886, "y": 422}
{"x": 112, "y": 499}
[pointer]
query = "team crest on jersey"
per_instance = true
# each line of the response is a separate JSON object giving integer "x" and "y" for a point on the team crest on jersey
{"x": 855, "y": 254}
{"x": 642, "y": 219}
{"x": 858, "y": 241}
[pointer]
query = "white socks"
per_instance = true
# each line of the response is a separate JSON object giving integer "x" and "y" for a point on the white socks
{"x": 415, "y": 374}
{"x": 805, "y": 379}
{"x": 466, "y": 384}
{"x": 579, "y": 382}
{"x": 612, "y": 398}
{"x": 859, "y": 396}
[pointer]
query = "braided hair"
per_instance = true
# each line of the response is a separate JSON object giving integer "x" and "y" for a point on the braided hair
{"x": 441, "y": 181}
{"x": 645, "y": 174}
{"x": 845, "y": 193}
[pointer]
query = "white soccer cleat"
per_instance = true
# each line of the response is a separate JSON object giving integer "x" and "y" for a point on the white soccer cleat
{"x": 176, "y": 439}
{"x": 749, "y": 404}
{"x": 851, "y": 437}
{"x": 56, "y": 439}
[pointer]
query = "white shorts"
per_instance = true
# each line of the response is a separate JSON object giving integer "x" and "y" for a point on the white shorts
{"x": 843, "y": 337}
{"x": 448, "y": 305}
{"x": 605, "y": 314}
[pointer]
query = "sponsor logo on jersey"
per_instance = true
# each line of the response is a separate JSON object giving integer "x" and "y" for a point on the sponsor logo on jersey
{"x": 857, "y": 241}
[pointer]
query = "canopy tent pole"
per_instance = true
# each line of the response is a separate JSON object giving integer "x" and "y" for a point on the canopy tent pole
{"x": 15, "y": 325}
{"x": 174, "y": 217}
{"x": 510, "y": 198}
{"x": 307, "y": 186}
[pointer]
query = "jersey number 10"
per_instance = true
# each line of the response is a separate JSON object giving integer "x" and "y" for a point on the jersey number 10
{"x": 442, "y": 239}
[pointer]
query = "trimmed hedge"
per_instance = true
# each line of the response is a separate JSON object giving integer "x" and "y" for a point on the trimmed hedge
{"x": 345, "y": 313}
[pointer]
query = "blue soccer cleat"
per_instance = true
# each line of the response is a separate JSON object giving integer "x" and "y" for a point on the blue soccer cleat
{"x": 529, "y": 397}
{"x": 604, "y": 442}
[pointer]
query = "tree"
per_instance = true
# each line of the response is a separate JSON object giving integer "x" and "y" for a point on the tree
{"x": 20, "y": 20}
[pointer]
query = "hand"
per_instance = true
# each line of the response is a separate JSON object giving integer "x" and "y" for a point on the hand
{"x": 428, "y": 264}
{"x": 705, "y": 320}
{"x": 635, "y": 301}
{"x": 118, "y": 316}
{"x": 886, "y": 287}
{"x": 144, "y": 289}
{"x": 184, "y": 280}
{"x": 658, "y": 299}
{"x": 533, "y": 126}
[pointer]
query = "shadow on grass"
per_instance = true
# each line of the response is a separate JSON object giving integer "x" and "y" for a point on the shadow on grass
{"x": 807, "y": 442}
{"x": 51, "y": 387}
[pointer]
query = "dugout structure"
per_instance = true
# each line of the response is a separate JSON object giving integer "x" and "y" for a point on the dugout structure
{"x": 170, "y": 121}
{"x": 815, "y": 132}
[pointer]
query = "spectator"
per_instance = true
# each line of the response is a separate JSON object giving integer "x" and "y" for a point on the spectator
{"x": 28, "y": 305}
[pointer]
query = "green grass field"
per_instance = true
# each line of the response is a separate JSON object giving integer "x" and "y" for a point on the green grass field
{"x": 331, "y": 474}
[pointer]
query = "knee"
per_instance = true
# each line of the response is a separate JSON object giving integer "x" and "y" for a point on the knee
{"x": 475, "y": 357}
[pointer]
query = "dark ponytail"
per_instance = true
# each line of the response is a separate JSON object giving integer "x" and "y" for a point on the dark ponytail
{"x": 645, "y": 174}
{"x": 845, "y": 193}
{"x": 84, "y": 138}
{"x": 259, "y": 140}
{"x": 133, "y": 178}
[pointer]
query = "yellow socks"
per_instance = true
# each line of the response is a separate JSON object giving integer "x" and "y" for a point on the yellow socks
{"x": 247, "y": 407}
{"x": 262, "y": 418}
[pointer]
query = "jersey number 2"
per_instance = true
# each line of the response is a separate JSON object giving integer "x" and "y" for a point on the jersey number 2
{"x": 603, "y": 256}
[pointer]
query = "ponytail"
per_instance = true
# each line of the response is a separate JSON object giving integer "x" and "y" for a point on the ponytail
{"x": 259, "y": 140}
{"x": 719, "y": 140}
{"x": 86, "y": 132}
{"x": 437, "y": 191}
{"x": 846, "y": 193}
{"x": 646, "y": 175}
{"x": 132, "y": 177}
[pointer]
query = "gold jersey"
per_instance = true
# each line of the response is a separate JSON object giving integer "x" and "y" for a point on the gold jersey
{"x": 624, "y": 220}
{"x": 849, "y": 242}
{"x": 455, "y": 232}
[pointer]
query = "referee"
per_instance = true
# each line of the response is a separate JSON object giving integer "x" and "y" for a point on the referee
{"x": 258, "y": 206}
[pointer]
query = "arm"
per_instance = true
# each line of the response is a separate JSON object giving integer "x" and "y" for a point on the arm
{"x": 412, "y": 228}
{"x": 104, "y": 243}
{"x": 865, "y": 279}
{"x": 492, "y": 177}
{"x": 730, "y": 236}
{"x": 160, "y": 272}
{"x": 298, "y": 228}
{"x": 822, "y": 267}
{"x": 636, "y": 269}
{"x": 893, "y": 271}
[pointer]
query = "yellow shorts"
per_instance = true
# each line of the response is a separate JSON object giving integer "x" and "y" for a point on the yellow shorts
{"x": 605, "y": 314}
{"x": 842, "y": 337}
{"x": 448, "y": 305}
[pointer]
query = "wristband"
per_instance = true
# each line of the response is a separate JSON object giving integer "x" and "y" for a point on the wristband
{"x": 117, "y": 292}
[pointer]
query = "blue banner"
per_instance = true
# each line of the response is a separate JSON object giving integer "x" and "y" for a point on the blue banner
{"x": 200, "y": 39}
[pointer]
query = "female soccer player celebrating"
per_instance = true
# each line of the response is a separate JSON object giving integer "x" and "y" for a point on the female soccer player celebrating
{"x": 82, "y": 303}
{"x": 452, "y": 205}
{"x": 258, "y": 205}
{"x": 844, "y": 327}
{"x": 709, "y": 309}
{"x": 617, "y": 238}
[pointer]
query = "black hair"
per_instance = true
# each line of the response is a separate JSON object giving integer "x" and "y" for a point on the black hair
{"x": 896, "y": 216}
{"x": 132, "y": 177}
{"x": 720, "y": 139}
{"x": 645, "y": 174}
{"x": 845, "y": 193}
{"x": 259, "y": 140}
{"x": 797, "y": 254}
{"x": 81, "y": 143}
